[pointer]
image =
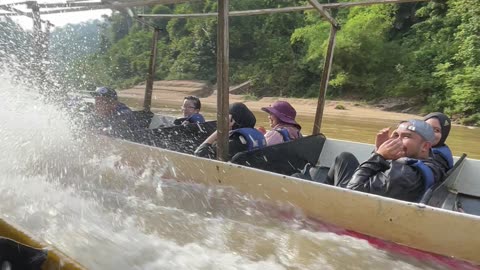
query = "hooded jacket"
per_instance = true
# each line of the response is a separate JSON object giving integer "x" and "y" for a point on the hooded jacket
{"x": 441, "y": 153}
{"x": 244, "y": 118}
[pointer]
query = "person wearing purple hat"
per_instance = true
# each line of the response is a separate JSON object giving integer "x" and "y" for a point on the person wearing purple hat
{"x": 282, "y": 121}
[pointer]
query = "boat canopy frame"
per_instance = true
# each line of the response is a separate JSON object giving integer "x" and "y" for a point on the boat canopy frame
{"x": 223, "y": 14}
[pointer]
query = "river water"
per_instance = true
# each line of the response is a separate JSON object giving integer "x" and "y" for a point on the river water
{"x": 59, "y": 187}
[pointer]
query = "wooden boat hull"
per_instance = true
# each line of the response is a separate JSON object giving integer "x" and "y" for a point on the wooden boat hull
{"x": 414, "y": 225}
{"x": 54, "y": 260}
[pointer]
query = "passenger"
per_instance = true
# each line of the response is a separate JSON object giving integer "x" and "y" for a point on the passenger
{"x": 111, "y": 116}
{"x": 191, "y": 111}
{"x": 243, "y": 135}
{"x": 282, "y": 121}
{"x": 400, "y": 168}
{"x": 441, "y": 125}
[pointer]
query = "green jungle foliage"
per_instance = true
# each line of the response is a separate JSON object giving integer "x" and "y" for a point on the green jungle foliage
{"x": 428, "y": 53}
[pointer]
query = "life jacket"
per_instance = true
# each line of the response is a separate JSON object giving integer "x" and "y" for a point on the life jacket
{"x": 427, "y": 173}
{"x": 254, "y": 138}
{"x": 446, "y": 153}
{"x": 195, "y": 118}
{"x": 122, "y": 109}
{"x": 284, "y": 133}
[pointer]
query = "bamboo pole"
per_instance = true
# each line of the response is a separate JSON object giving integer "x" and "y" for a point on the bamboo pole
{"x": 279, "y": 10}
{"x": 46, "y": 82}
{"x": 222, "y": 81}
{"x": 37, "y": 59}
{"x": 231, "y": 14}
{"x": 147, "y": 101}
{"x": 369, "y": 3}
{"x": 324, "y": 81}
{"x": 114, "y": 5}
{"x": 19, "y": 12}
{"x": 323, "y": 12}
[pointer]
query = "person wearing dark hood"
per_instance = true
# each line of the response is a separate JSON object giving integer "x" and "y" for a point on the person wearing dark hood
{"x": 242, "y": 137}
{"x": 441, "y": 125}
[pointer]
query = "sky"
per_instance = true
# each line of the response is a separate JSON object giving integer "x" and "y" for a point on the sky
{"x": 57, "y": 19}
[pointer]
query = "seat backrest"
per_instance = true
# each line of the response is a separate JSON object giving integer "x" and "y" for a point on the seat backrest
{"x": 436, "y": 194}
{"x": 184, "y": 139}
{"x": 143, "y": 118}
{"x": 160, "y": 121}
{"x": 285, "y": 158}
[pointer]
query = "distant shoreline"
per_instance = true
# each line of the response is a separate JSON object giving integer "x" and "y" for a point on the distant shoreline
{"x": 172, "y": 96}
{"x": 169, "y": 94}
{"x": 363, "y": 119}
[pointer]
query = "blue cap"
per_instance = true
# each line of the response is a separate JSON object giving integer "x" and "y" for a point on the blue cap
{"x": 105, "y": 92}
{"x": 420, "y": 127}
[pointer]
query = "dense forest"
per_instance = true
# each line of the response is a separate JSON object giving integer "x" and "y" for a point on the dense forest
{"x": 426, "y": 55}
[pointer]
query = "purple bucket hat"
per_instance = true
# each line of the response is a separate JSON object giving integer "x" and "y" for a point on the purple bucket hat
{"x": 284, "y": 112}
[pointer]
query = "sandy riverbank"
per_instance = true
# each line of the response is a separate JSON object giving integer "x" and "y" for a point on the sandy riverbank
{"x": 171, "y": 94}
{"x": 359, "y": 122}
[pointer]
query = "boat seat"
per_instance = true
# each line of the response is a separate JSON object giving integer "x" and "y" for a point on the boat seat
{"x": 143, "y": 118}
{"x": 467, "y": 204}
{"x": 184, "y": 139}
{"x": 14, "y": 255}
{"x": 285, "y": 158}
{"x": 160, "y": 121}
{"x": 438, "y": 194}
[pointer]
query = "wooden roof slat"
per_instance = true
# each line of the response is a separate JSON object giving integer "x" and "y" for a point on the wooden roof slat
{"x": 77, "y": 6}
{"x": 280, "y": 10}
{"x": 323, "y": 12}
{"x": 114, "y": 5}
{"x": 28, "y": 14}
{"x": 231, "y": 13}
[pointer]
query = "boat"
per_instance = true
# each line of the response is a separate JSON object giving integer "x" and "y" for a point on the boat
{"x": 449, "y": 229}
{"x": 18, "y": 250}
{"x": 417, "y": 225}
{"x": 265, "y": 175}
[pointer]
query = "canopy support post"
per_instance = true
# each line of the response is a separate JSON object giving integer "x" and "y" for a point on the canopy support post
{"x": 327, "y": 65}
{"x": 222, "y": 81}
{"x": 147, "y": 101}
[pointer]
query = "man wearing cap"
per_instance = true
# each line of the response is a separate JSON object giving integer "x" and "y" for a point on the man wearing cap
{"x": 282, "y": 121}
{"x": 111, "y": 116}
{"x": 399, "y": 168}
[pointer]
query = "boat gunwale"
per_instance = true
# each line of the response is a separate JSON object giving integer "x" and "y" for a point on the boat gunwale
{"x": 424, "y": 236}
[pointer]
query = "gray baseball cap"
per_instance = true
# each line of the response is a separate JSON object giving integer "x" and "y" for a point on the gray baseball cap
{"x": 420, "y": 127}
{"x": 105, "y": 92}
